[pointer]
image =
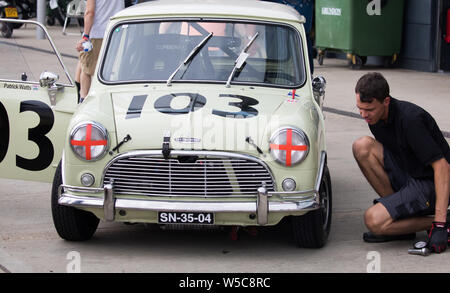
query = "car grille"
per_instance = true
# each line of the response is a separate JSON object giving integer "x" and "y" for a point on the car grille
{"x": 191, "y": 176}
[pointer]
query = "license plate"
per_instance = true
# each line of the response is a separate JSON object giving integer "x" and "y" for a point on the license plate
{"x": 11, "y": 12}
{"x": 185, "y": 218}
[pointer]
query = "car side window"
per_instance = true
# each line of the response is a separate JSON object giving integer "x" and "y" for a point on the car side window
{"x": 20, "y": 56}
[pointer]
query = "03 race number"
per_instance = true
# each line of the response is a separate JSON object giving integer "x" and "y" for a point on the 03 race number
{"x": 36, "y": 135}
{"x": 4, "y": 132}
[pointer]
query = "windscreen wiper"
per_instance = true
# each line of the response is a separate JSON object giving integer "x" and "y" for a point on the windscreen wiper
{"x": 240, "y": 60}
{"x": 187, "y": 61}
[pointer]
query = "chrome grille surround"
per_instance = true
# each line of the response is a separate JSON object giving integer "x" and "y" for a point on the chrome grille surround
{"x": 203, "y": 174}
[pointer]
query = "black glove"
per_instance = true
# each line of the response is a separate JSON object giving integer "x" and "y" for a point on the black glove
{"x": 438, "y": 237}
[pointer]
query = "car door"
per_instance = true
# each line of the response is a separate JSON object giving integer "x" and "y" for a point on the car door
{"x": 37, "y": 100}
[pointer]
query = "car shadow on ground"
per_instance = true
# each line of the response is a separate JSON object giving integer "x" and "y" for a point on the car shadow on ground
{"x": 137, "y": 235}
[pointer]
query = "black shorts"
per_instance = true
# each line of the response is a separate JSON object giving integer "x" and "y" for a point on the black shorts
{"x": 412, "y": 197}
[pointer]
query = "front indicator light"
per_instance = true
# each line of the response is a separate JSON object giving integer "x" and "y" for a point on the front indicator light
{"x": 288, "y": 184}
{"x": 89, "y": 141}
{"x": 289, "y": 146}
{"x": 87, "y": 179}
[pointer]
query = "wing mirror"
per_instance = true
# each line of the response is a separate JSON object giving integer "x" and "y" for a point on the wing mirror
{"x": 319, "y": 84}
{"x": 48, "y": 80}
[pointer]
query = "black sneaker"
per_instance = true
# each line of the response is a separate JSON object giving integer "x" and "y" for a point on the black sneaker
{"x": 369, "y": 237}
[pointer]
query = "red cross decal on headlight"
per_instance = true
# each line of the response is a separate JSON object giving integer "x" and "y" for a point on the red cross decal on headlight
{"x": 88, "y": 142}
{"x": 288, "y": 147}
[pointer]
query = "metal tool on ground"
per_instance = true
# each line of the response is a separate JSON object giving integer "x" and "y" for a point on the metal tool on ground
{"x": 421, "y": 251}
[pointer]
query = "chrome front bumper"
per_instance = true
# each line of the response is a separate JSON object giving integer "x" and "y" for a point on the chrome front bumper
{"x": 287, "y": 201}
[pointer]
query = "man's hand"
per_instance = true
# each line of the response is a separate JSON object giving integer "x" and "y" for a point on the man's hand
{"x": 438, "y": 237}
{"x": 79, "y": 46}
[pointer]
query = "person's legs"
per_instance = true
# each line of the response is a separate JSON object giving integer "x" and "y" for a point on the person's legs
{"x": 379, "y": 221}
{"x": 368, "y": 154}
{"x": 78, "y": 72}
{"x": 88, "y": 62}
{"x": 403, "y": 201}
{"x": 78, "y": 79}
{"x": 85, "y": 84}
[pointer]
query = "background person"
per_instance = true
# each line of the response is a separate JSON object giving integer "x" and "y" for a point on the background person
{"x": 96, "y": 18}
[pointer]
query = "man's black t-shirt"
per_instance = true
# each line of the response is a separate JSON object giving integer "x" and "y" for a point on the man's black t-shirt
{"x": 413, "y": 136}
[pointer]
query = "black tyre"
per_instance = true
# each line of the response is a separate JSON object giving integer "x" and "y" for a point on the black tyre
{"x": 312, "y": 230}
{"x": 320, "y": 57}
{"x": 20, "y": 14}
{"x": 357, "y": 62}
{"x": 50, "y": 20}
{"x": 71, "y": 224}
{"x": 6, "y": 27}
{"x": 390, "y": 61}
{"x": 59, "y": 15}
{"x": 7, "y": 30}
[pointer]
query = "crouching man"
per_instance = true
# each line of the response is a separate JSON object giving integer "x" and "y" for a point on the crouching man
{"x": 407, "y": 164}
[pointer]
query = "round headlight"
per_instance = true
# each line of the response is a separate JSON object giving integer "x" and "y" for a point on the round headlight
{"x": 89, "y": 141}
{"x": 289, "y": 146}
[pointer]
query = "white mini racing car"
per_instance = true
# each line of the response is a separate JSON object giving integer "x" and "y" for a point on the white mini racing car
{"x": 200, "y": 113}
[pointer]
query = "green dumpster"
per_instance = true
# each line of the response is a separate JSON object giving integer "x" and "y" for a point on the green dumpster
{"x": 359, "y": 28}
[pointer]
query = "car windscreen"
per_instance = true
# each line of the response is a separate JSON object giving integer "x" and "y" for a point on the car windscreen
{"x": 153, "y": 51}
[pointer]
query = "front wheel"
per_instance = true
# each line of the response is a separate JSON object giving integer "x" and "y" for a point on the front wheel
{"x": 312, "y": 230}
{"x": 71, "y": 224}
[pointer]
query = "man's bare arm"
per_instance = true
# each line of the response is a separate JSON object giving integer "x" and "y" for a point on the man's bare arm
{"x": 442, "y": 184}
{"x": 88, "y": 21}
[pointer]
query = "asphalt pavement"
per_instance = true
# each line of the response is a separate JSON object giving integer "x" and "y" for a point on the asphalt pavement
{"x": 29, "y": 242}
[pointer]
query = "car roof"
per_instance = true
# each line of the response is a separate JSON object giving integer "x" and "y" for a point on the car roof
{"x": 216, "y": 8}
